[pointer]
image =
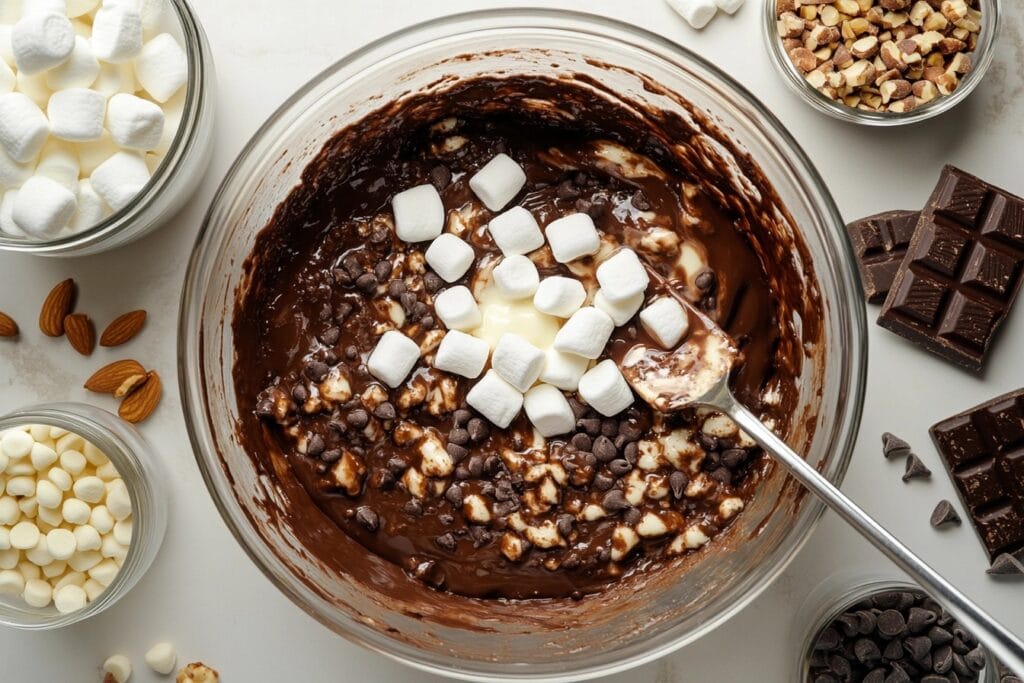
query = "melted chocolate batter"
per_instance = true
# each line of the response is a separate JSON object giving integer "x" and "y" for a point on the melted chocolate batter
{"x": 560, "y": 518}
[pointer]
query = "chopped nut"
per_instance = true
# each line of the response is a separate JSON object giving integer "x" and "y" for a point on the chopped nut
{"x": 953, "y": 10}
{"x": 849, "y": 7}
{"x": 904, "y": 105}
{"x": 790, "y": 26}
{"x": 808, "y": 12}
{"x": 865, "y": 48}
{"x": 859, "y": 73}
{"x": 197, "y": 672}
{"x": 925, "y": 91}
{"x": 804, "y": 59}
{"x": 935, "y": 21}
{"x": 512, "y": 547}
{"x": 961, "y": 63}
{"x": 947, "y": 82}
{"x": 829, "y": 15}
{"x": 349, "y": 473}
{"x": 920, "y": 12}
{"x": 816, "y": 78}
{"x": 895, "y": 90}
{"x": 842, "y": 57}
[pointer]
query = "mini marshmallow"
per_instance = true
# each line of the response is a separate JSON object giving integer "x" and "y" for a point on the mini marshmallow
{"x": 729, "y": 6}
{"x": 34, "y": 87}
{"x": 419, "y": 213}
{"x": 516, "y": 277}
{"x": 120, "y": 178}
{"x": 69, "y": 599}
{"x": 75, "y": 511}
{"x": 79, "y": 71}
{"x": 60, "y": 478}
{"x": 498, "y": 182}
{"x": 134, "y": 123}
{"x": 42, "y": 6}
{"x": 393, "y": 358}
{"x": 161, "y": 67}
{"x": 666, "y": 321}
{"x": 48, "y": 495}
{"x": 517, "y": 361}
{"x": 11, "y": 582}
{"x": 24, "y": 535}
{"x": 59, "y": 161}
{"x": 91, "y": 209}
{"x": 43, "y": 207}
{"x": 548, "y": 410}
{"x": 12, "y": 173}
{"x": 161, "y": 658}
{"x": 16, "y": 444}
{"x": 6, "y": 28}
{"x": 697, "y": 13}
{"x": 461, "y": 354}
{"x": 123, "y": 532}
{"x": 449, "y": 256}
{"x": 61, "y": 543}
{"x": 8, "y": 81}
{"x": 9, "y": 512}
{"x": 495, "y": 399}
{"x": 87, "y": 538}
{"x": 622, "y": 276}
{"x": 585, "y": 334}
{"x": 38, "y": 592}
{"x": 77, "y": 114}
{"x": 563, "y": 370}
{"x": 23, "y": 126}
{"x": 559, "y": 296}
{"x": 101, "y": 520}
{"x": 20, "y": 486}
{"x": 84, "y": 561}
{"x": 90, "y": 489}
{"x": 41, "y": 41}
{"x": 457, "y": 309}
{"x": 117, "y": 33}
{"x": 516, "y": 232}
{"x": 118, "y": 666}
{"x": 621, "y": 312}
{"x": 42, "y": 456}
{"x": 72, "y": 461}
{"x": 119, "y": 503}
{"x": 573, "y": 237}
{"x": 605, "y": 389}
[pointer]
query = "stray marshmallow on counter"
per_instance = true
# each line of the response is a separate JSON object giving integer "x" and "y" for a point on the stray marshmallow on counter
{"x": 112, "y": 49}
{"x": 498, "y": 182}
{"x": 161, "y": 658}
{"x": 697, "y": 13}
{"x": 59, "y": 491}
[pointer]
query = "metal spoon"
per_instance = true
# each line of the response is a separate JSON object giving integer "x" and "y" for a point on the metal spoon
{"x": 697, "y": 373}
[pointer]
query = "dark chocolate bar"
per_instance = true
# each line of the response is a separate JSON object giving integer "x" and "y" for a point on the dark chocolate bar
{"x": 880, "y": 243}
{"x": 983, "y": 449}
{"x": 962, "y": 270}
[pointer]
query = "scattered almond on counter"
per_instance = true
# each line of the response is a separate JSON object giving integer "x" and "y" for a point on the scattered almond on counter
{"x": 56, "y": 307}
{"x": 8, "y": 328}
{"x": 140, "y": 403}
{"x": 81, "y": 334}
{"x": 112, "y": 377}
{"x": 123, "y": 328}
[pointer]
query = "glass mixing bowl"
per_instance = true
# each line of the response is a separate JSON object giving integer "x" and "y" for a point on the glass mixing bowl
{"x": 496, "y": 640}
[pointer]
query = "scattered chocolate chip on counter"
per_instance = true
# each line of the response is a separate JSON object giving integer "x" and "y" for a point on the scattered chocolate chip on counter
{"x": 880, "y": 55}
{"x": 916, "y": 469}
{"x": 1006, "y": 565}
{"x": 879, "y": 243}
{"x": 893, "y": 446}
{"x": 945, "y": 515}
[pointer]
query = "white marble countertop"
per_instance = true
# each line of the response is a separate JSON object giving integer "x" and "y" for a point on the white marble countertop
{"x": 202, "y": 592}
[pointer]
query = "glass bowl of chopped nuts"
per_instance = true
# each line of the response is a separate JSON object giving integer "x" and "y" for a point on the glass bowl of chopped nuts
{"x": 882, "y": 62}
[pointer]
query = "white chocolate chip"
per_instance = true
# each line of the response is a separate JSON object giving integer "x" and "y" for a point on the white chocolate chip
{"x": 118, "y": 666}
{"x": 161, "y": 658}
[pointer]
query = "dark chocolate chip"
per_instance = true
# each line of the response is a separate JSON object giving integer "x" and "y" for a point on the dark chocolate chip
{"x": 578, "y": 409}
{"x": 975, "y": 659}
{"x": 413, "y": 507}
{"x": 493, "y": 463}
{"x": 875, "y": 676}
{"x": 440, "y": 176}
{"x": 1006, "y": 565}
{"x": 918, "y": 646}
{"x": 476, "y": 467}
{"x": 458, "y": 436}
{"x": 367, "y": 283}
{"x": 385, "y": 480}
{"x": 619, "y": 467}
{"x": 723, "y": 474}
{"x": 316, "y": 370}
{"x": 614, "y": 501}
{"x": 640, "y": 201}
{"x": 396, "y": 465}
{"x": 330, "y": 336}
{"x": 939, "y": 635}
{"x": 461, "y": 417}
{"x": 631, "y": 453}
{"x": 432, "y": 281}
{"x": 315, "y": 445}
{"x": 341, "y": 276}
{"x": 331, "y": 455}
{"x": 604, "y": 449}
{"x": 367, "y": 518}
{"x": 891, "y": 623}
{"x": 265, "y": 409}
{"x": 351, "y": 352}
{"x": 708, "y": 442}
{"x": 396, "y": 288}
{"x": 734, "y": 457}
{"x": 385, "y": 411}
{"x": 850, "y": 624}
{"x": 916, "y": 469}
{"x": 591, "y": 425}
{"x": 419, "y": 310}
{"x": 480, "y": 536}
{"x": 632, "y": 516}
{"x": 427, "y": 322}
{"x": 582, "y": 441}
{"x": 382, "y": 271}
{"x": 609, "y": 428}
{"x": 919, "y": 619}
{"x": 893, "y": 650}
{"x": 867, "y": 651}
{"x": 897, "y": 675}
{"x": 457, "y": 452}
{"x": 358, "y": 418}
{"x": 942, "y": 659}
{"x": 678, "y": 481}
{"x": 341, "y": 312}
{"x": 602, "y": 482}
{"x": 945, "y": 514}
{"x": 407, "y": 301}
{"x": 706, "y": 280}
{"x": 828, "y": 640}
{"x": 446, "y": 541}
{"x": 893, "y": 446}
{"x": 454, "y": 495}
{"x": 478, "y": 430}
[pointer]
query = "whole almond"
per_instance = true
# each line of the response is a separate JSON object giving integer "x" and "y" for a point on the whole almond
{"x": 8, "y": 328}
{"x": 56, "y": 307}
{"x": 112, "y": 377}
{"x": 141, "y": 403}
{"x": 80, "y": 333}
{"x": 123, "y": 328}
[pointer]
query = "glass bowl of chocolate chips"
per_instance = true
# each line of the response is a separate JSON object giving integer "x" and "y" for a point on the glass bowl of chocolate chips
{"x": 391, "y": 223}
{"x": 882, "y": 62}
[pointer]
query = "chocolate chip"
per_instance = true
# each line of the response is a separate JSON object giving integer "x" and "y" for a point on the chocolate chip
{"x": 385, "y": 480}
{"x": 315, "y": 445}
{"x": 461, "y": 416}
{"x": 705, "y": 281}
{"x": 975, "y": 659}
{"x": 564, "y": 525}
{"x": 367, "y": 283}
{"x": 396, "y": 288}
{"x": 939, "y": 635}
{"x": 475, "y": 466}
{"x": 893, "y": 446}
{"x": 581, "y": 441}
{"x": 341, "y": 276}
{"x": 916, "y": 469}
{"x": 413, "y": 507}
{"x": 367, "y": 518}
{"x": 493, "y": 464}
{"x": 866, "y": 622}
{"x": 330, "y": 336}
{"x": 591, "y": 425}
{"x": 446, "y": 541}
{"x": 379, "y": 235}
{"x": 407, "y": 301}
{"x": 432, "y": 281}
{"x": 341, "y": 312}
{"x": 578, "y": 409}
{"x": 427, "y": 322}
{"x": 351, "y": 352}
{"x": 458, "y": 436}
{"x": 419, "y": 310}
{"x": 265, "y": 408}
{"x": 358, "y": 418}
{"x": 1006, "y": 565}
{"x": 604, "y": 449}
{"x": 733, "y": 457}
{"x": 722, "y": 474}
{"x": 602, "y": 482}
{"x": 893, "y": 651}
{"x": 440, "y": 176}
{"x": 614, "y": 501}
{"x": 589, "y": 459}
{"x": 396, "y": 465}
{"x": 478, "y": 430}
{"x": 711, "y": 462}
{"x": 609, "y": 428}
{"x": 619, "y": 467}
{"x": 850, "y": 624}
{"x": 891, "y": 623}
{"x": 678, "y": 481}
{"x": 480, "y": 536}
{"x": 942, "y": 659}
{"x": 867, "y": 651}
{"x": 385, "y": 411}
{"x": 918, "y": 646}
{"x": 351, "y": 264}
{"x": 708, "y": 442}
{"x": 875, "y": 676}
{"x": 632, "y": 516}
{"x": 897, "y": 675}
{"x": 919, "y": 619}
{"x": 567, "y": 190}
{"x": 631, "y": 453}
{"x": 446, "y": 519}
{"x": 454, "y": 495}
{"x": 828, "y": 640}
{"x": 457, "y": 452}
{"x": 316, "y": 370}
{"x": 944, "y": 514}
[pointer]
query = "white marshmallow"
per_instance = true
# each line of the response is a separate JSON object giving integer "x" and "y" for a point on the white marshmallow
{"x": 91, "y": 209}
{"x": 516, "y": 277}
{"x": 77, "y": 114}
{"x": 60, "y": 478}
{"x": 90, "y": 489}
{"x": 117, "y": 33}
{"x": 419, "y": 213}
{"x": 42, "y": 456}
{"x": 729, "y": 6}
{"x": 457, "y": 309}
{"x": 123, "y": 532}
{"x": 48, "y": 495}
{"x": 72, "y": 461}
{"x": 69, "y": 599}
{"x": 516, "y": 232}
{"x": 134, "y": 123}
{"x": 8, "y": 81}
{"x": 498, "y": 182}
{"x": 23, "y": 126}
{"x": 666, "y": 321}
{"x": 11, "y": 582}
{"x": 115, "y": 78}
{"x": 118, "y": 666}
{"x": 61, "y": 543}
{"x": 495, "y": 399}
{"x": 41, "y": 41}
{"x": 548, "y": 410}
{"x": 9, "y": 512}
{"x": 83, "y": 561}
{"x": 119, "y": 503}
{"x": 517, "y": 361}
{"x": 43, "y": 207}
{"x": 563, "y": 370}
{"x": 24, "y": 535}
{"x": 585, "y": 334}
{"x": 449, "y": 256}
{"x": 605, "y": 389}
{"x": 87, "y": 538}
{"x": 38, "y": 592}
{"x": 16, "y": 444}
{"x": 79, "y": 71}
{"x": 393, "y": 358}
{"x": 697, "y": 13}
{"x": 12, "y": 173}
{"x": 573, "y": 237}
{"x": 461, "y": 354}
{"x": 162, "y": 67}
{"x": 622, "y": 276}
{"x": 93, "y": 589}
{"x": 161, "y": 658}
{"x": 75, "y": 511}
{"x": 101, "y": 520}
{"x": 621, "y": 312}
{"x": 559, "y": 296}
{"x": 78, "y": 8}
{"x": 120, "y": 178}
{"x": 59, "y": 161}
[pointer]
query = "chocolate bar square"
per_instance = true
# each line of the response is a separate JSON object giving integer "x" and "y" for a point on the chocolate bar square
{"x": 983, "y": 449}
{"x": 879, "y": 243}
{"x": 961, "y": 272}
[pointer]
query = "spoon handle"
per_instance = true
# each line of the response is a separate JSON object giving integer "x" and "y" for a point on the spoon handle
{"x": 999, "y": 641}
